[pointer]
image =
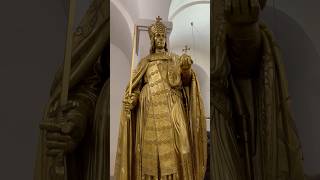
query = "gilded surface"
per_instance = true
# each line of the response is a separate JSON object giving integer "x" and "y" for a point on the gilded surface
{"x": 86, "y": 143}
{"x": 253, "y": 135}
{"x": 156, "y": 135}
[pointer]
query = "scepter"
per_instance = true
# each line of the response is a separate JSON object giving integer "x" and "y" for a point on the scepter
{"x": 59, "y": 164}
{"x": 132, "y": 58}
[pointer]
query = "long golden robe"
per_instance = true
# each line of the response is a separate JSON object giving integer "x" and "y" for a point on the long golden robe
{"x": 156, "y": 137}
{"x": 277, "y": 153}
{"x": 262, "y": 126}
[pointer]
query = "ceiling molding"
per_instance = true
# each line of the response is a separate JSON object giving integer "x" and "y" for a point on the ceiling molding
{"x": 125, "y": 14}
{"x": 184, "y": 5}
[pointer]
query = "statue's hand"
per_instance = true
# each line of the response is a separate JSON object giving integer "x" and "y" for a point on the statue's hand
{"x": 242, "y": 12}
{"x": 185, "y": 62}
{"x": 185, "y": 66}
{"x": 64, "y": 134}
{"x": 56, "y": 141}
{"x": 131, "y": 100}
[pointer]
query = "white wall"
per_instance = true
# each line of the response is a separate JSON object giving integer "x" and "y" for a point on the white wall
{"x": 121, "y": 26}
{"x": 150, "y": 9}
{"x": 197, "y": 38}
{"x": 131, "y": 6}
{"x": 119, "y": 74}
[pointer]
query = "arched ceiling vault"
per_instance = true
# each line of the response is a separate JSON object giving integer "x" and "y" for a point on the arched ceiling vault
{"x": 120, "y": 28}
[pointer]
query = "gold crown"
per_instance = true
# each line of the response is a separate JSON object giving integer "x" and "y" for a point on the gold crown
{"x": 157, "y": 27}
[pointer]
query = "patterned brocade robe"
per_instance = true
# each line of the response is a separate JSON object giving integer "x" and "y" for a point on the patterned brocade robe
{"x": 158, "y": 143}
{"x": 164, "y": 124}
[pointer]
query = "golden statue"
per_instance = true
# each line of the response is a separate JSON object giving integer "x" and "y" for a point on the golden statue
{"x": 253, "y": 136}
{"x": 78, "y": 133}
{"x": 162, "y": 125}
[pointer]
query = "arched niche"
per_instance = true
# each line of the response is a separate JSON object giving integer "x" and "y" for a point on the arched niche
{"x": 121, "y": 27}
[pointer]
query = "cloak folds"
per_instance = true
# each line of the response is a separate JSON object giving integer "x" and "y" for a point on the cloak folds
{"x": 128, "y": 157}
{"x": 278, "y": 146}
{"x": 278, "y": 153}
{"x": 90, "y": 161}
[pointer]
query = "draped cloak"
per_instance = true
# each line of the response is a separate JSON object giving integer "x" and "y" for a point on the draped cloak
{"x": 278, "y": 153}
{"x": 90, "y": 161}
{"x": 128, "y": 157}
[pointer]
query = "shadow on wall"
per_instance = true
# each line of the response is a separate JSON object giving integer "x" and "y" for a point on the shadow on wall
{"x": 302, "y": 64}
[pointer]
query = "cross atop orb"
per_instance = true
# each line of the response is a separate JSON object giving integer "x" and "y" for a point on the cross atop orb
{"x": 186, "y": 49}
{"x": 158, "y": 18}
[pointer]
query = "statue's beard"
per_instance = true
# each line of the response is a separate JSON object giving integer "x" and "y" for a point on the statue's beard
{"x": 160, "y": 45}
{"x": 153, "y": 46}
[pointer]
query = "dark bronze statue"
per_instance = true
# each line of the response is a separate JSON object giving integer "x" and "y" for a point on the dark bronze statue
{"x": 78, "y": 133}
{"x": 253, "y": 136}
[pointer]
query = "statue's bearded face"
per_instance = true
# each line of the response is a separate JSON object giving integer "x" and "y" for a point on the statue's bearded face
{"x": 160, "y": 40}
